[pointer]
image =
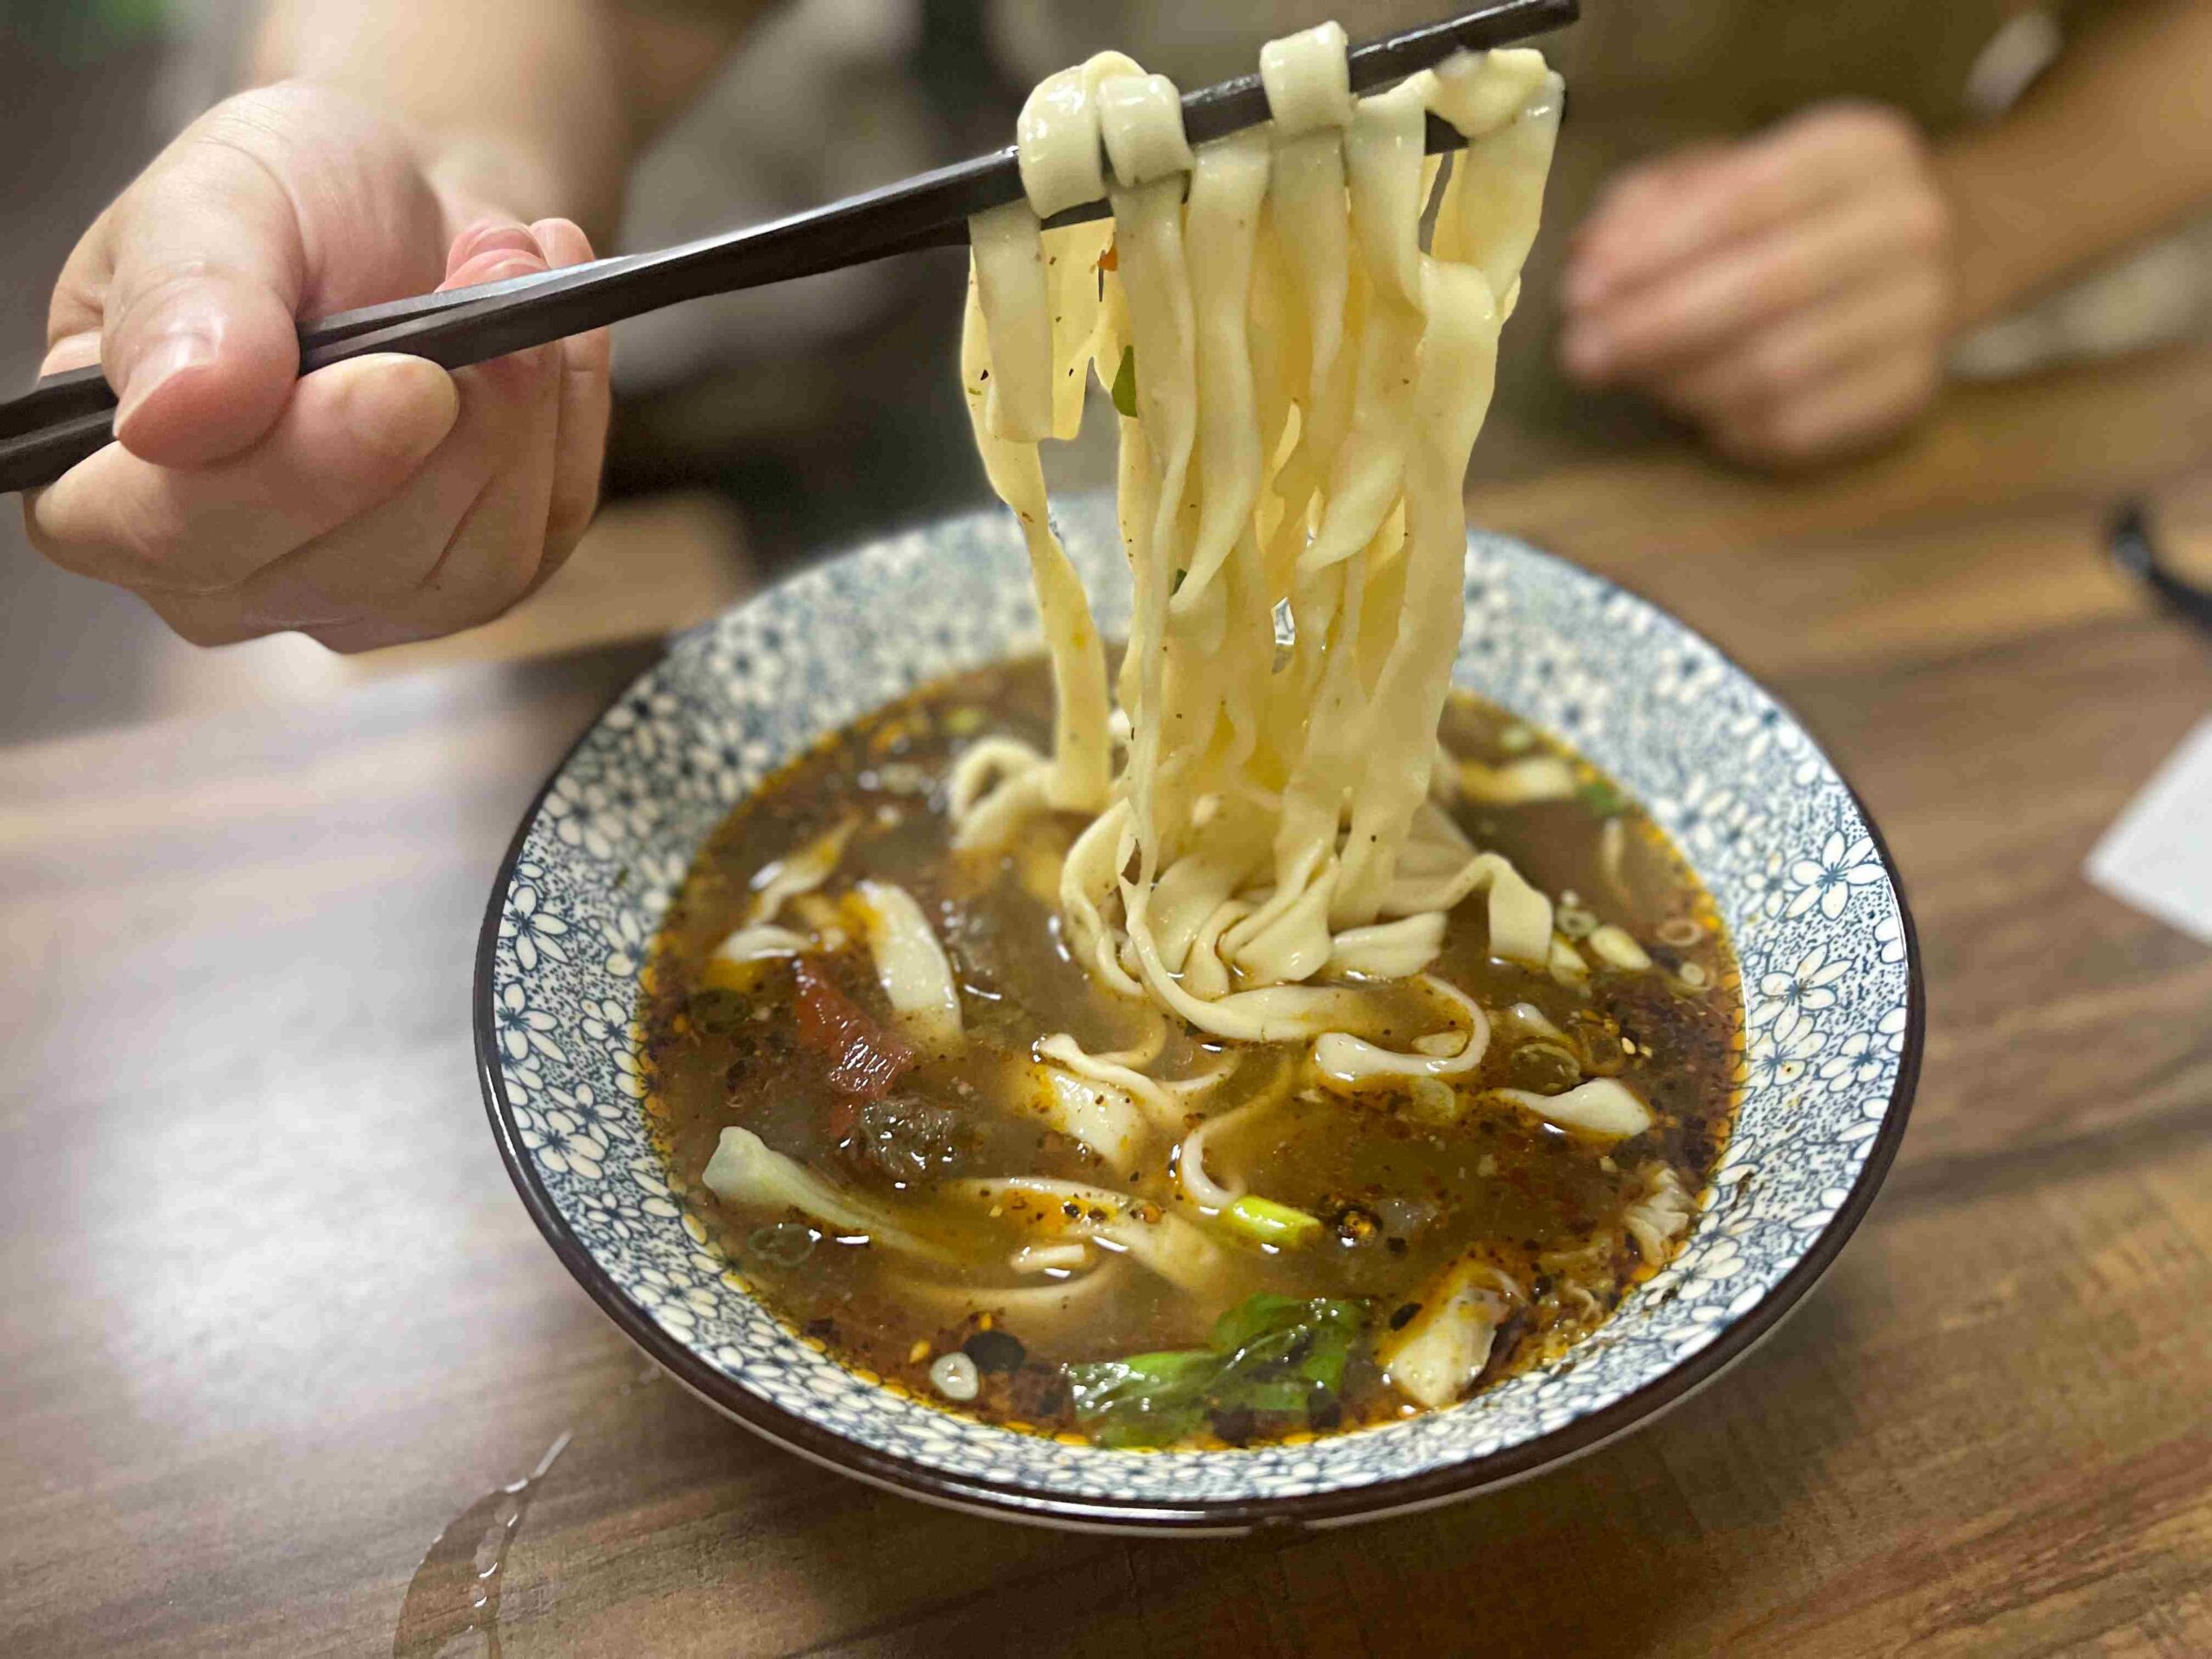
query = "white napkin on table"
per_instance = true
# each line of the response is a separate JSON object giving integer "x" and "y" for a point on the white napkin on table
{"x": 2157, "y": 856}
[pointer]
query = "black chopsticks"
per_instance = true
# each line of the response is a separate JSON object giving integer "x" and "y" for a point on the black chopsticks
{"x": 69, "y": 416}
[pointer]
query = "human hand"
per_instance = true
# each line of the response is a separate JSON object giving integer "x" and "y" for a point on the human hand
{"x": 1789, "y": 293}
{"x": 369, "y": 502}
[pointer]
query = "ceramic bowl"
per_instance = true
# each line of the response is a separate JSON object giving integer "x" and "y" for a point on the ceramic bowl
{"x": 1834, "y": 1012}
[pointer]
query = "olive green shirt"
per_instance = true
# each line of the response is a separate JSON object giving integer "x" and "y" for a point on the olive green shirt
{"x": 1643, "y": 77}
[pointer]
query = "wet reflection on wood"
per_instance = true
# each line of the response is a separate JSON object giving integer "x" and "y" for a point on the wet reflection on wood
{"x": 455, "y": 1591}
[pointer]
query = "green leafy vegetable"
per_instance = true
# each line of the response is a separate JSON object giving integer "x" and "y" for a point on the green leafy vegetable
{"x": 1144, "y": 1400}
{"x": 1271, "y": 1355}
{"x": 1125, "y": 383}
{"x": 1263, "y": 1314}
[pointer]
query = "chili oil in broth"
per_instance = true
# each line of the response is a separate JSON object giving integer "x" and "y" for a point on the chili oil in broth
{"x": 1401, "y": 1194}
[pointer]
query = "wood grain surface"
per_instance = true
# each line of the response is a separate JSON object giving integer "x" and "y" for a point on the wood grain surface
{"x": 274, "y": 1318}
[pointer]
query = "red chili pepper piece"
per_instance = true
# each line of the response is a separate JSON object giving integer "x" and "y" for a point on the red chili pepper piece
{"x": 864, "y": 1059}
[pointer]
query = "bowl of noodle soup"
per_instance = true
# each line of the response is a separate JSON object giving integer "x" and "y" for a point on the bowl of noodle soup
{"x": 1781, "y": 842}
{"x": 1404, "y": 1014}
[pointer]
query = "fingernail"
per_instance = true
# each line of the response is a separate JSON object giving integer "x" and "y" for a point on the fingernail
{"x": 1586, "y": 351}
{"x": 515, "y": 265}
{"x": 396, "y": 405}
{"x": 183, "y": 347}
{"x": 563, "y": 241}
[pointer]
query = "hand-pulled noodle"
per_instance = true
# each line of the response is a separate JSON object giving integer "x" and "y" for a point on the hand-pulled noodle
{"x": 1300, "y": 386}
{"x": 1207, "y": 1072}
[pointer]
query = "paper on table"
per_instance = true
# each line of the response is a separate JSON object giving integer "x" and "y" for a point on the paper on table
{"x": 2159, "y": 856}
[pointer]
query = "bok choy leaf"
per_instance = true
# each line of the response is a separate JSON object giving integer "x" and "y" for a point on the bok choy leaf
{"x": 1270, "y": 1356}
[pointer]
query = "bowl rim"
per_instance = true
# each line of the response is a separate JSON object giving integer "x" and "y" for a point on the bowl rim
{"x": 1014, "y": 1500}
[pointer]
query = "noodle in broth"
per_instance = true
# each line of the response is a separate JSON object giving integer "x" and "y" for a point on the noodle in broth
{"x": 1149, "y": 1071}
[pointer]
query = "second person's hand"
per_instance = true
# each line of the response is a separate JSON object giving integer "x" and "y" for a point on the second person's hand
{"x": 373, "y": 502}
{"x": 1790, "y": 294}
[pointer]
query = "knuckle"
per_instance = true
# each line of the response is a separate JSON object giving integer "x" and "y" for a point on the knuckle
{"x": 150, "y": 289}
{"x": 233, "y": 156}
{"x": 268, "y": 124}
{"x": 244, "y": 120}
{"x": 260, "y": 108}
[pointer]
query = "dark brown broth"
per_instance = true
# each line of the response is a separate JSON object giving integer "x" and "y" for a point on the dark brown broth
{"x": 1403, "y": 1198}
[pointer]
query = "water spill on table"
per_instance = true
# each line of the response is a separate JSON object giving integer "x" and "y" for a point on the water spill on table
{"x": 453, "y": 1603}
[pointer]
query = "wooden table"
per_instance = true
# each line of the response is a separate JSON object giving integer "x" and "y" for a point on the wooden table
{"x": 274, "y": 1318}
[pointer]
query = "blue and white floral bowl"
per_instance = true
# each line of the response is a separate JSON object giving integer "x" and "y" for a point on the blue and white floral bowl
{"x": 1834, "y": 1008}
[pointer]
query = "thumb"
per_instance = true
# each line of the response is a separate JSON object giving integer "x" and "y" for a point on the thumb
{"x": 197, "y": 328}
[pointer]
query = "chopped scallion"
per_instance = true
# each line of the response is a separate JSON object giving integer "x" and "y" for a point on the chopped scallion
{"x": 1265, "y": 1222}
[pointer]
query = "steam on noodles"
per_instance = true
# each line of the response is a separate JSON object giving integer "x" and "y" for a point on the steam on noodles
{"x": 1300, "y": 385}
